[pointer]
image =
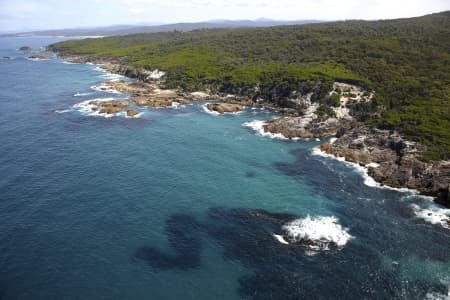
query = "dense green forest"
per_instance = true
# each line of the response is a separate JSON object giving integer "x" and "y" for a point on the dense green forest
{"x": 406, "y": 61}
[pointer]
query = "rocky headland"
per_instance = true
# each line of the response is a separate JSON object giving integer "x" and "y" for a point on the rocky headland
{"x": 309, "y": 123}
{"x": 147, "y": 94}
{"x": 391, "y": 160}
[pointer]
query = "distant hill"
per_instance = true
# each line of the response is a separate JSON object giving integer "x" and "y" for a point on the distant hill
{"x": 133, "y": 29}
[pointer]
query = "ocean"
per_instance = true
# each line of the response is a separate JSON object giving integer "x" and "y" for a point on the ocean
{"x": 179, "y": 203}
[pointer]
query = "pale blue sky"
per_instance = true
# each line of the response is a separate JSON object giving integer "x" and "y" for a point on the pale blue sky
{"x": 19, "y": 15}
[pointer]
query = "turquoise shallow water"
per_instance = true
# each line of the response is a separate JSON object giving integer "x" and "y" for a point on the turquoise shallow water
{"x": 181, "y": 204}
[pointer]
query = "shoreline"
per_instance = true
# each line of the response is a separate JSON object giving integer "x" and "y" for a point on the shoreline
{"x": 432, "y": 212}
{"x": 311, "y": 130}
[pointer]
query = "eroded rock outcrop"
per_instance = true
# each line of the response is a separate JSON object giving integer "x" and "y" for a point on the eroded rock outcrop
{"x": 38, "y": 57}
{"x": 225, "y": 107}
{"x": 134, "y": 88}
{"x": 393, "y": 161}
{"x": 109, "y": 107}
{"x": 305, "y": 127}
{"x": 159, "y": 101}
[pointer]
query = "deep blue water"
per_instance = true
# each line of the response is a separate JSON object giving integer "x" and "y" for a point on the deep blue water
{"x": 181, "y": 204}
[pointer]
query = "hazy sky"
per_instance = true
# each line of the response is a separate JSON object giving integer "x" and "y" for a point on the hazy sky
{"x": 16, "y": 15}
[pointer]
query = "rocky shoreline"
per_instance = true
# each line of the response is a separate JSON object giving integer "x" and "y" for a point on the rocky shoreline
{"x": 151, "y": 83}
{"x": 390, "y": 159}
{"x": 393, "y": 161}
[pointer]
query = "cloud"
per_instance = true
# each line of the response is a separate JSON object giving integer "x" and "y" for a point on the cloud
{"x": 68, "y": 13}
{"x": 135, "y": 11}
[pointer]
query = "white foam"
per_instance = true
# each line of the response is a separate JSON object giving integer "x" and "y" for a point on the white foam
{"x": 108, "y": 75}
{"x": 37, "y": 59}
{"x": 208, "y": 111}
{"x": 103, "y": 87}
{"x": 258, "y": 127}
{"x": 437, "y": 296}
{"x": 99, "y": 68}
{"x": 317, "y": 232}
{"x": 363, "y": 170}
{"x": 112, "y": 77}
{"x": 280, "y": 239}
{"x": 66, "y": 62}
{"x": 177, "y": 105}
{"x": 215, "y": 113}
{"x": 82, "y": 94}
{"x": 433, "y": 214}
{"x": 89, "y": 109}
{"x": 61, "y": 111}
{"x": 133, "y": 117}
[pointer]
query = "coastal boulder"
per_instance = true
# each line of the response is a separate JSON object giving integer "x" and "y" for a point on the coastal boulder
{"x": 224, "y": 107}
{"x": 25, "y": 48}
{"x": 132, "y": 112}
{"x": 109, "y": 107}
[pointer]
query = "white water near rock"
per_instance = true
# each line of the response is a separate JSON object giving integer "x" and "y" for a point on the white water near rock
{"x": 108, "y": 75}
{"x": 433, "y": 214}
{"x": 215, "y": 113}
{"x": 66, "y": 62}
{"x": 37, "y": 59}
{"x": 81, "y": 94}
{"x": 102, "y": 87}
{"x": 258, "y": 127}
{"x": 89, "y": 109}
{"x": 281, "y": 239}
{"x": 208, "y": 111}
{"x": 317, "y": 232}
{"x": 437, "y": 296}
{"x": 363, "y": 170}
{"x": 61, "y": 111}
{"x": 131, "y": 117}
{"x": 112, "y": 77}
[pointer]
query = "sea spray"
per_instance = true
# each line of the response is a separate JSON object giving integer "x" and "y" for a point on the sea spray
{"x": 317, "y": 232}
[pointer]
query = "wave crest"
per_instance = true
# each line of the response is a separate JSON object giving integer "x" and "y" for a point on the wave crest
{"x": 317, "y": 233}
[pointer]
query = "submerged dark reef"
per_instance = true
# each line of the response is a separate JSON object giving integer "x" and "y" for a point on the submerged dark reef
{"x": 282, "y": 271}
{"x": 181, "y": 232}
